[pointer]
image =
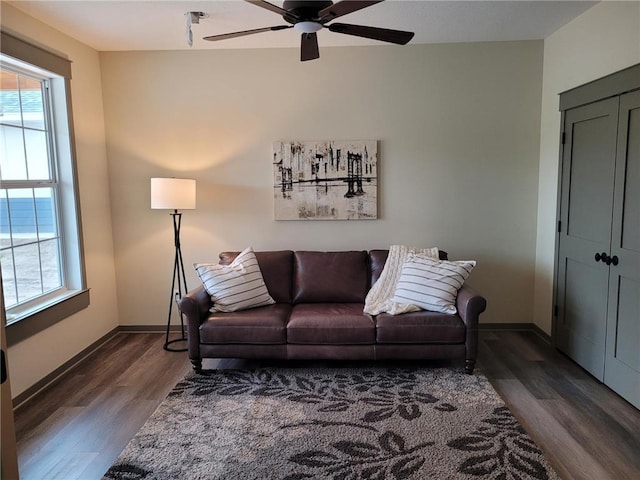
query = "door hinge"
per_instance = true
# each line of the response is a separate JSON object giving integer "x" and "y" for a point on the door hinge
{"x": 559, "y": 226}
{"x": 563, "y": 138}
{"x": 556, "y": 310}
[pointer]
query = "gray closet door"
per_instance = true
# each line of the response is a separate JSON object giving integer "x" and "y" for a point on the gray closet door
{"x": 622, "y": 366}
{"x": 586, "y": 205}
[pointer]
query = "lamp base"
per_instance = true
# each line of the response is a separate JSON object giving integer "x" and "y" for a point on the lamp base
{"x": 168, "y": 349}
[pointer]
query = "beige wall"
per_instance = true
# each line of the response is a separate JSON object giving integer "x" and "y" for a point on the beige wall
{"x": 36, "y": 357}
{"x": 458, "y": 127}
{"x": 603, "y": 40}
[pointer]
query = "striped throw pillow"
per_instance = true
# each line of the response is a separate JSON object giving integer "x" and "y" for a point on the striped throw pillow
{"x": 431, "y": 284}
{"x": 237, "y": 286}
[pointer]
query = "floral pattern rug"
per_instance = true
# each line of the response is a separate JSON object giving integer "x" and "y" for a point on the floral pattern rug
{"x": 332, "y": 423}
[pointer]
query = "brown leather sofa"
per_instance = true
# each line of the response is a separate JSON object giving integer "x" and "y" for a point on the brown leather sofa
{"x": 318, "y": 314}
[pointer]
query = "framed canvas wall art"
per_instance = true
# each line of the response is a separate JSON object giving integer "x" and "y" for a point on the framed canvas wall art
{"x": 325, "y": 180}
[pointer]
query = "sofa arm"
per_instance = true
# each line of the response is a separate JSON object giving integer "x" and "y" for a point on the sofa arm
{"x": 470, "y": 305}
{"x": 195, "y": 306}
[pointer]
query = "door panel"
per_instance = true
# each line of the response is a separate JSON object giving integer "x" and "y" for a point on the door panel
{"x": 591, "y": 181}
{"x": 586, "y": 204}
{"x": 628, "y": 327}
{"x": 585, "y": 307}
{"x": 622, "y": 372}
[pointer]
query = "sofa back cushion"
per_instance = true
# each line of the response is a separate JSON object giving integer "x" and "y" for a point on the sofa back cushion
{"x": 377, "y": 259}
{"x": 276, "y": 268}
{"x": 340, "y": 277}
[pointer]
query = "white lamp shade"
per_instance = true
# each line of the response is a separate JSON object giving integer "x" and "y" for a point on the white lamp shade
{"x": 173, "y": 193}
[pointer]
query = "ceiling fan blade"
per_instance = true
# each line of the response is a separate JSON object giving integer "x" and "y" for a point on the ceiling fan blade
{"x": 269, "y": 6}
{"x": 344, "y": 7}
{"x": 309, "y": 47}
{"x": 383, "y": 34}
{"x": 224, "y": 36}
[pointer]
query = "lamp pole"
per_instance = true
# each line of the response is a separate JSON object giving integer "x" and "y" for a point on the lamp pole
{"x": 180, "y": 279}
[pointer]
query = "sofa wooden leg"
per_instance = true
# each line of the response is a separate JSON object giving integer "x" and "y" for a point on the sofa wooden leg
{"x": 197, "y": 364}
{"x": 469, "y": 365}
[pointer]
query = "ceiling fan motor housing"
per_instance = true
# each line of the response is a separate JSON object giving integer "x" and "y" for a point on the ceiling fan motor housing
{"x": 303, "y": 10}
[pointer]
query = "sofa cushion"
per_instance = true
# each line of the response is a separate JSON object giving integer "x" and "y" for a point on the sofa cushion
{"x": 236, "y": 286}
{"x": 277, "y": 269}
{"x": 419, "y": 327}
{"x": 431, "y": 284}
{"x": 330, "y": 324}
{"x": 338, "y": 277}
{"x": 262, "y": 325}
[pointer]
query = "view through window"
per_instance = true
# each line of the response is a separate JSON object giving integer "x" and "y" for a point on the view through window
{"x": 30, "y": 252}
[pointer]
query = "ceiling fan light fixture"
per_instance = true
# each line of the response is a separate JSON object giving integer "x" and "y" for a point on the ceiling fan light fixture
{"x": 308, "y": 27}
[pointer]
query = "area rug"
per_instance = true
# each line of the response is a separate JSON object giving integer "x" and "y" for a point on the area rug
{"x": 333, "y": 423}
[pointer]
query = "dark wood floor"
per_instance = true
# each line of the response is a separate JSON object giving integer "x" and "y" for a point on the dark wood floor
{"x": 76, "y": 428}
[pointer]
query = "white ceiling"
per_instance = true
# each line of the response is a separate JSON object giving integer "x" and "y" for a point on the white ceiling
{"x": 161, "y": 25}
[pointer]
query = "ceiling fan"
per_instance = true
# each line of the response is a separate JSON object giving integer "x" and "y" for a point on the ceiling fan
{"x": 310, "y": 16}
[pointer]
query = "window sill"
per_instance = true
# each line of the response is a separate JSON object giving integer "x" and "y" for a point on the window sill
{"x": 38, "y": 319}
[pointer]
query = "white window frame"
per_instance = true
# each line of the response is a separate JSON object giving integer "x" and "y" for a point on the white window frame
{"x": 31, "y": 317}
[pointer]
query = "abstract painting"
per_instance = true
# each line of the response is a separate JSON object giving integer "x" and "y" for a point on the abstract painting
{"x": 325, "y": 180}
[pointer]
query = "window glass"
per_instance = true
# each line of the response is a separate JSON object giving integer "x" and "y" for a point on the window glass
{"x": 30, "y": 248}
{"x": 10, "y": 99}
{"x": 32, "y": 103}
{"x": 37, "y": 155}
{"x": 13, "y": 165}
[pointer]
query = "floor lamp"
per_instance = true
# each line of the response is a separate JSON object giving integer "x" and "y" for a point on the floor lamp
{"x": 174, "y": 194}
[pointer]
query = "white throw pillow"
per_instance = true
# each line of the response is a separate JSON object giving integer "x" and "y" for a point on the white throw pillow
{"x": 432, "y": 284}
{"x": 237, "y": 286}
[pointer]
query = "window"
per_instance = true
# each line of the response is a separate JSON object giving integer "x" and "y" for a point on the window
{"x": 40, "y": 239}
{"x": 30, "y": 253}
